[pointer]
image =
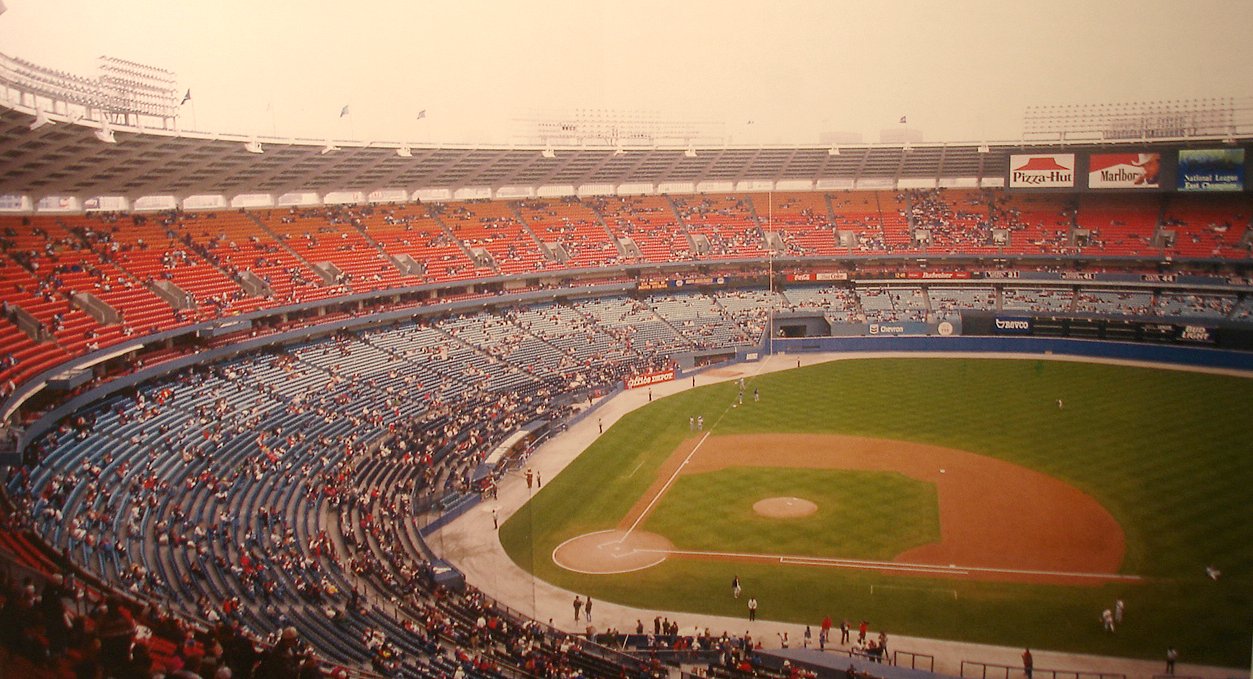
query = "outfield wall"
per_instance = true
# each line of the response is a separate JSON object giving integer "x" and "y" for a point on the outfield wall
{"x": 1099, "y": 349}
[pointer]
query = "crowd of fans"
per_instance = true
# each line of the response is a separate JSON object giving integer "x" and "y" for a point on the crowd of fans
{"x": 316, "y": 417}
{"x": 187, "y": 469}
{"x": 299, "y": 254}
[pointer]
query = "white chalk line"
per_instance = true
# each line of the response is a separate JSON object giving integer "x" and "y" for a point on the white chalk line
{"x": 651, "y": 503}
{"x": 637, "y": 468}
{"x": 662, "y": 492}
{"x": 951, "y": 569}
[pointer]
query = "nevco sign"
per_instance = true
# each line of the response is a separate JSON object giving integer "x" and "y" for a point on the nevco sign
{"x": 1012, "y": 326}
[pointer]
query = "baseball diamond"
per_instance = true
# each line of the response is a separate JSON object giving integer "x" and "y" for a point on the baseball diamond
{"x": 1040, "y": 514}
{"x": 586, "y": 340}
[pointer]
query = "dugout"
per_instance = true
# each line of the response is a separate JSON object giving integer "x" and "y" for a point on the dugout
{"x": 793, "y": 325}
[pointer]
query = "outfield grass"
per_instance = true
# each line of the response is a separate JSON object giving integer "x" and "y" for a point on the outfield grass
{"x": 1169, "y": 454}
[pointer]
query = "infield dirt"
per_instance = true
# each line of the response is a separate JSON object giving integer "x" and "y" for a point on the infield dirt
{"x": 1004, "y": 521}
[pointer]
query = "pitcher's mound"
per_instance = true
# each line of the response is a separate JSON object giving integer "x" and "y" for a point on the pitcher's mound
{"x": 612, "y": 551}
{"x": 784, "y": 507}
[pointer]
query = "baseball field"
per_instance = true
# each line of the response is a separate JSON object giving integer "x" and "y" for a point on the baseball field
{"x": 988, "y": 500}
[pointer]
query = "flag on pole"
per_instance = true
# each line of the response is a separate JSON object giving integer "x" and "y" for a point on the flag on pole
{"x": 421, "y": 114}
{"x": 902, "y": 120}
{"x": 343, "y": 111}
{"x": 186, "y": 98}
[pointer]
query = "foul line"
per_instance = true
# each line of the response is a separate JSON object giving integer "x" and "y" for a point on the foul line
{"x": 951, "y": 569}
{"x": 644, "y": 514}
{"x": 661, "y": 492}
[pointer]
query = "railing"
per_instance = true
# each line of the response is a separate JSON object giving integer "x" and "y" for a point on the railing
{"x": 982, "y": 670}
{"x": 917, "y": 661}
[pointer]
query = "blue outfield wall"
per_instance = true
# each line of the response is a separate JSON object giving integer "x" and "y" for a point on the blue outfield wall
{"x": 1097, "y": 349}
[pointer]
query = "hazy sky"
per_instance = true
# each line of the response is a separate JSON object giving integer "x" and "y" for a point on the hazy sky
{"x": 960, "y": 70}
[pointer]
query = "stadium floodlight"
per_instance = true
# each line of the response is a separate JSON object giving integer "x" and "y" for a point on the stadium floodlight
{"x": 984, "y": 148}
{"x": 833, "y": 151}
{"x": 548, "y": 153}
{"x": 404, "y": 152}
{"x": 329, "y": 148}
{"x": 690, "y": 152}
{"x": 41, "y": 119}
{"x": 619, "y": 151}
{"x": 253, "y": 146}
{"x": 105, "y": 135}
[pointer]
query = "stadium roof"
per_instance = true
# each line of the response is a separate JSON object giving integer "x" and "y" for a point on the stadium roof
{"x": 51, "y": 155}
{"x": 70, "y": 160}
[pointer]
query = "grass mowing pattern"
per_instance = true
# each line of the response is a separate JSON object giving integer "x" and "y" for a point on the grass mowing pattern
{"x": 861, "y": 515}
{"x": 1166, "y": 452}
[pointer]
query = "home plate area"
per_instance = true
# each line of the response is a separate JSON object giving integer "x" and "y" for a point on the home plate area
{"x": 612, "y": 551}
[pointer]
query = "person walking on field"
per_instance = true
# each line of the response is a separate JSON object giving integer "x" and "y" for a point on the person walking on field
{"x": 752, "y": 608}
{"x": 735, "y": 586}
{"x": 578, "y": 606}
{"x": 1028, "y": 664}
{"x": 587, "y": 609}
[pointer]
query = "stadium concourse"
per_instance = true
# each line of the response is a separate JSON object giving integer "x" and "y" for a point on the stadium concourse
{"x": 484, "y": 562}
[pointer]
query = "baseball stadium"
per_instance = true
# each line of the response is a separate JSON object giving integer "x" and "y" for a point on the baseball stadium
{"x": 631, "y": 394}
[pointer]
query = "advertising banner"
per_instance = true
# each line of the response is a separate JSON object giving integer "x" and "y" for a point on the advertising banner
{"x": 645, "y": 379}
{"x": 820, "y": 276}
{"x": 653, "y": 284}
{"x": 934, "y": 275}
{"x": 1195, "y": 333}
{"x": 901, "y": 328}
{"x": 1012, "y": 325}
{"x": 1124, "y": 170}
{"x": 1211, "y": 170}
{"x": 1042, "y": 171}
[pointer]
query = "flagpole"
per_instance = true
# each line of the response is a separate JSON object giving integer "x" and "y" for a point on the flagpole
{"x": 425, "y": 128}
